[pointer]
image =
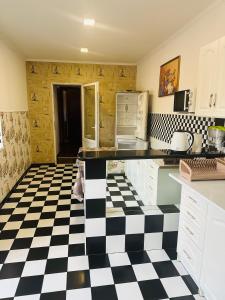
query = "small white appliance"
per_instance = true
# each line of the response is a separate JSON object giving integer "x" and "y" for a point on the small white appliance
{"x": 182, "y": 141}
{"x": 184, "y": 101}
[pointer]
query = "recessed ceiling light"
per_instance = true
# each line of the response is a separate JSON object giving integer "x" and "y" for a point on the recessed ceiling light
{"x": 84, "y": 50}
{"x": 89, "y": 22}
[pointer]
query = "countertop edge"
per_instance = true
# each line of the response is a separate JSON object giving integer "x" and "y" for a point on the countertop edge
{"x": 142, "y": 154}
{"x": 183, "y": 181}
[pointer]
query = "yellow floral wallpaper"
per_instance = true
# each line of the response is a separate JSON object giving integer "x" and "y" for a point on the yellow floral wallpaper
{"x": 15, "y": 157}
{"x": 41, "y": 76}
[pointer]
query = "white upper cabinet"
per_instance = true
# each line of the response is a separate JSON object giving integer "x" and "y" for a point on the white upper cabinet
{"x": 219, "y": 101}
{"x": 211, "y": 89}
{"x": 206, "y": 79}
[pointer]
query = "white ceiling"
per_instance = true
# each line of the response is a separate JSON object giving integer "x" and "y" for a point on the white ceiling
{"x": 125, "y": 29}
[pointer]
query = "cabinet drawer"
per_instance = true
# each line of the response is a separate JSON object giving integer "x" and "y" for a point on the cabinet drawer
{"x": 194, "y": 201}
{"x": 190, "y": 212}
{"x": 190, "y": 256}
{"x": 151, "y": 170}
{"x": 151, "y": 179}
{"x": 150, "y": 196}
{"x": 151, "y": 164}
{"x": 151, "y": 188}
{"x": 192, "y": 231}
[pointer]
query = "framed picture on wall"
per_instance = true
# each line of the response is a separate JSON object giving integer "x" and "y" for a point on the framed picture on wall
{"x": 169, "y": 77}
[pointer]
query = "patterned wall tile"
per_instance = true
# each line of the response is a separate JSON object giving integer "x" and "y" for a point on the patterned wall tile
{"x": 15, "y": 157}
{"x": 162, "y": 126}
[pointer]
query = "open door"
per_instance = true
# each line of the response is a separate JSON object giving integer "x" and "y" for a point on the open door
{"x": 142, "y": 116}
{"x": 90, "y": 115}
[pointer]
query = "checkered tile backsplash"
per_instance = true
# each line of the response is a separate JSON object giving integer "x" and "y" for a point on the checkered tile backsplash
{"x": 162, "y": 126}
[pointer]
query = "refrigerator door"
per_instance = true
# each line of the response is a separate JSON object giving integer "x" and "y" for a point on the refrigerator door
{"x": 142, "y": 116}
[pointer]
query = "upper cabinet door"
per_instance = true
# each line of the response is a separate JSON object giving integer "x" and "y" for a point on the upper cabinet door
{"x": 206, "y": 79}
{"x": 219, "y": 97}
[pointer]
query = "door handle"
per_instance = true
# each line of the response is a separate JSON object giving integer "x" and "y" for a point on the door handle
{"x": 210, "y": 100}
{"x": 215, "y": 98}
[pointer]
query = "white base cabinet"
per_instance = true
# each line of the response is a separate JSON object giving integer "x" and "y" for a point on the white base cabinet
{"x": 152, "y": 182}
{"x": 201, "y": 243}
{"x": 213, "y": 265}
{"x": 191, "y": 232}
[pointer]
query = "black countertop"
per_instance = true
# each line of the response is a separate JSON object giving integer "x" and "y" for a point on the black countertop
{"x": 143, "y": 154}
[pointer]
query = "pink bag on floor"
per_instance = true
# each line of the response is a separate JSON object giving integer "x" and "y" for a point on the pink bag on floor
{"x": 78, "y": 188}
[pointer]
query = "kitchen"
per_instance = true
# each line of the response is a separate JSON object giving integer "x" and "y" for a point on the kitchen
{"x": 138, "y": 213}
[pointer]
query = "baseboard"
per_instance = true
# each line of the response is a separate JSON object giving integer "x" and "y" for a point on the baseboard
{"x": 33, "y": 165}
{"x": 66, "y": 160}
{"x": 14, "y": 187}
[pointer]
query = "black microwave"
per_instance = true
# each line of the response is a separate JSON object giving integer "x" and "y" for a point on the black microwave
{"x": 184, "y": 101}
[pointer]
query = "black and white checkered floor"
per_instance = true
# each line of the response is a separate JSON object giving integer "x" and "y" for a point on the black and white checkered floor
{"x": 120, "y": 192}
{"x": 42, "y": 251}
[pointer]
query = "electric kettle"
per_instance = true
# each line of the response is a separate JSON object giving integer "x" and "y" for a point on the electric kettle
{"x": 182, "y": 141}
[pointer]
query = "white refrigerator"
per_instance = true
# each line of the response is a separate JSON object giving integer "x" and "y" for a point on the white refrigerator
{"x": 131, "y": 120}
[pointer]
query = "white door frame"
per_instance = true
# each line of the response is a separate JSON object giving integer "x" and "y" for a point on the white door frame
{"x": 96, "y": 84}
{"x": 53, "y": 110}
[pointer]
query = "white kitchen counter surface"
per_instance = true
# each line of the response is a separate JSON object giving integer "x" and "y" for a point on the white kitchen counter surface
{"x": 213, "y": 190}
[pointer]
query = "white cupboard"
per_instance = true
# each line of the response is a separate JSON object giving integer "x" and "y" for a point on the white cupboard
{"x": 210, "y": 99}
{"x": 152, "y": 182}
{"x": 213, "y": 266}
{"x": 191, "y": 232}
{"x": 131, "y": 120}
{"x": 201, "y": 243}
{"x": 219, "y": 101}
{"x": 126, "y": 110}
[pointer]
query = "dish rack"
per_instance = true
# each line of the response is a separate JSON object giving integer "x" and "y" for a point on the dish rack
{"x": 202, "y": 169}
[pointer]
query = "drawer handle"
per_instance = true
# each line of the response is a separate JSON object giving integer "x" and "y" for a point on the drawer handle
{"x": 187, "y": 255}
{"x": 189, "y": 230}
{"x": 193, "y": 200}
{"x": 193, "y": 218}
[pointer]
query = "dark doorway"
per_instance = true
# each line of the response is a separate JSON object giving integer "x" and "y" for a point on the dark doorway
{"x": 68, "y": 101}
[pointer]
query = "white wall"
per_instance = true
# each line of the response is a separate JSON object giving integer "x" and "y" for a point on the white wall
{"x": 209, "y": 26}
{"x": 13, "y": 91}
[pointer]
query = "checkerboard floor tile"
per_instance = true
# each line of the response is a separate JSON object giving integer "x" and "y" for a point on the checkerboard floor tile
{"x": 121, "y": 193}
{"x": 42, "y": 250}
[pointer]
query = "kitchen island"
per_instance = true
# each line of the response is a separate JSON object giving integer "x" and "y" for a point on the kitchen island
{"x": 95, "y": 188}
